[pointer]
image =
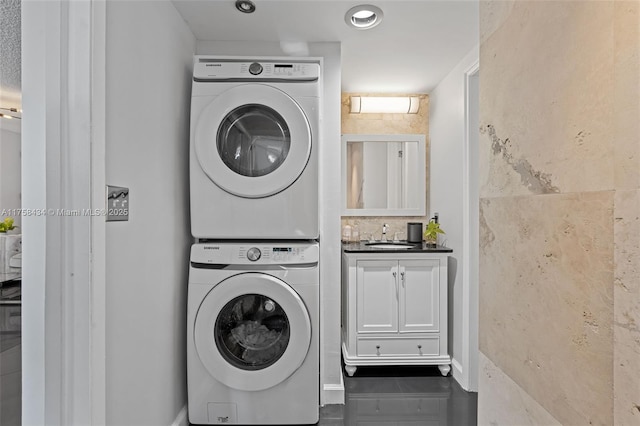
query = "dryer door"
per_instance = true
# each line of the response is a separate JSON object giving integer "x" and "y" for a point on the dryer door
{"x": 252, "y": 331}
{"x": 253, "y": 140}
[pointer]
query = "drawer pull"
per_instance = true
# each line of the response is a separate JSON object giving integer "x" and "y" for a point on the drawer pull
{"x": 377, "y": 349}
{"x": 420, "y": 349}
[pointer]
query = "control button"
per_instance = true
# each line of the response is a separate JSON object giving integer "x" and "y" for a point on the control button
{"x": 253, "y": 254}
{"x": 255, "y": 68}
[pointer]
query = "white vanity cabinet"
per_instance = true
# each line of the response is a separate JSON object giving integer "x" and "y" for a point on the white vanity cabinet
{"x": 394, "y": 309}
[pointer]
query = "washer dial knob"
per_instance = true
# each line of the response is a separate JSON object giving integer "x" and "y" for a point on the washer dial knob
{"x": 255, "y": 68}
{"x": 253, "y": 254}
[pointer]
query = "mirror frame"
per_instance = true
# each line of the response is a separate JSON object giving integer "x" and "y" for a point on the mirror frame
{"x": 422, "y": 175}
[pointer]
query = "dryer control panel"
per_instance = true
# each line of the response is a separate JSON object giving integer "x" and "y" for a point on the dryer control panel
{"x": 255, "y": 253}
{"x": 211, "y": 69}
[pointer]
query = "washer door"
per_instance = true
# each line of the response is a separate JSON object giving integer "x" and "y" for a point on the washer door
{"x": 252, "y": 331}
{"x": 253, "y": 140}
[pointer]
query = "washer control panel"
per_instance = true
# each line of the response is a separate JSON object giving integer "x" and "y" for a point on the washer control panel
{"x": 252, "y": 253}
{"x": 212, "y": 69}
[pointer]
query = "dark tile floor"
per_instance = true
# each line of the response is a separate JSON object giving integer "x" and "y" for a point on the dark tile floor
{"x": 10, "y": 356}
{"x": 401, "y": 396}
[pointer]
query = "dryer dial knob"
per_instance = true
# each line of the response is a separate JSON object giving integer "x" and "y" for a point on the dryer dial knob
{"x": 255, "y": 68}
{"x": 253, "y": 254}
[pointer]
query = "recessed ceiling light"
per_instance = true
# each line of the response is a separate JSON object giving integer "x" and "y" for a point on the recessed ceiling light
{"x": 364, "y": 16}
{"x": 245, "y": 6}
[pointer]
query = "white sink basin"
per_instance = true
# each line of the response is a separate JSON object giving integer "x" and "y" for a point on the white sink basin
{"x": 393, "y": 246}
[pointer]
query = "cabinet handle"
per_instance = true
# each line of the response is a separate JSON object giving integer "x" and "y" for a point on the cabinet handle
{"x": 377, "y": 349}
{"x": 402, "y": 278}
{"x": 420, "y": 349}
{"x": 395, "y": 281}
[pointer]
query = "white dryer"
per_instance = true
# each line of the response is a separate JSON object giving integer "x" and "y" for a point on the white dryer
{"x": 252, "y": 337}
{"x": 254, "y": 148}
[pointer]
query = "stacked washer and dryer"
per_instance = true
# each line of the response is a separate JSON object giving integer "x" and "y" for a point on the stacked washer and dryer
{"x": 253, "y": 296}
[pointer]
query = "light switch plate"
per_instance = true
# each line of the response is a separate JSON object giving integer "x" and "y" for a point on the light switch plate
{"x": 117, "y": 203}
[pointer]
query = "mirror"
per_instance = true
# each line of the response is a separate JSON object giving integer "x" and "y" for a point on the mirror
{"x": 383, "y": 175}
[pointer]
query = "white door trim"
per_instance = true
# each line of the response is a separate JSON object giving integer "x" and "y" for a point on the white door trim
{"x": 98, "y": 201}
{"x": 469, "y": 250}
{"x": 63, "y": 180}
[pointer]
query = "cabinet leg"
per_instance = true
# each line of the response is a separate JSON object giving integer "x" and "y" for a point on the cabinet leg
{"x": 444, "y": 369}
{"x": 351, "y": 369}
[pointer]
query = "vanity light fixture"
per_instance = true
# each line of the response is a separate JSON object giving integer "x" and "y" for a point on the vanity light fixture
{"x": 245, "y": 6}
{"x": 364, "y": 16}
{"x": 385, "y": 104}
{"x": 11, "y": 113}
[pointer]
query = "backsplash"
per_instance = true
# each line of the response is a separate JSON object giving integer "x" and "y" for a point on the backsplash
{"x": 386, "y": 124}
{"x": 373, "y": 225}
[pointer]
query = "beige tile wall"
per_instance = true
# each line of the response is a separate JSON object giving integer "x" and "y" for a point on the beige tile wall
{"x": 626, "y": 213}
{"x": 559, "y": 209}
{"x": 501, "y": 400}
{"x": 385, "y": 124}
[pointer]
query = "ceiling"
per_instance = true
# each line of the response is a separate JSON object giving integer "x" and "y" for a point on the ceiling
{"x": 415, "y": 46}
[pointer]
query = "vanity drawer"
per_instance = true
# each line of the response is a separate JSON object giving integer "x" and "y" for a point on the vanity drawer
{"x": 411, "y": 347}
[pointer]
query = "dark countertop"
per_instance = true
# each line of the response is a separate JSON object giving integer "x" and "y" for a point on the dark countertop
{"x": 362, "y": 247}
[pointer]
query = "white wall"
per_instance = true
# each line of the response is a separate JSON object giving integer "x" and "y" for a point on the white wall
{"x": 332, "y": 388}
{"x": 148, "y": 84}
{"x": 10, "y": 168}
{"x": 447, "y": 139}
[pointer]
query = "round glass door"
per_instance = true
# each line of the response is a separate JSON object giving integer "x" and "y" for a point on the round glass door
{"x": 253, "y": 140}
{"x": 252, "y": 331}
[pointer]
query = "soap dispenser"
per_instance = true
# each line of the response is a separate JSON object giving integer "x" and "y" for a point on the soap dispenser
{"x": 355, "y": 234}
{"x": 346, "y": 234}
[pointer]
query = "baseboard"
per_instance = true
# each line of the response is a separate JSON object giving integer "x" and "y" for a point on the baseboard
{"x": 333, "y": 393}
{"x": 181, "y": 418}
{"x": 456, "y": 372}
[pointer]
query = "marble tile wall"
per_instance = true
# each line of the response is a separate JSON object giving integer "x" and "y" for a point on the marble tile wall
{"x": 559, "y": 210}
{"x": 501, "y": 400}
{"x": 385, "y": 124}
{"x": 626, "y": 214}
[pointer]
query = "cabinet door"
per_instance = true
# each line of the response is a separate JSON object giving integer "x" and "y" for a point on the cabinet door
{"x": 419, "y": 295}
{"x": 377, "y": 296}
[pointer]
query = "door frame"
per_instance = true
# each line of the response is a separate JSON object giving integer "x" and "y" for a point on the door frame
{"x": 63, "y": 145}
{"x": 470, "y": 229}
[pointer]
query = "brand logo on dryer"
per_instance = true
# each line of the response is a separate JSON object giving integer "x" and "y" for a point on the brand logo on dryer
{"x": 211, "y": 248}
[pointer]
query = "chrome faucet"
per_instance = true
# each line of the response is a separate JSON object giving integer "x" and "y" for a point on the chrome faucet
{"x": 383, "y": 237}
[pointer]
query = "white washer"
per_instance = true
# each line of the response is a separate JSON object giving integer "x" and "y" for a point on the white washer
{"x": 252, "y": 333}
{"x": 254, "y": 148}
